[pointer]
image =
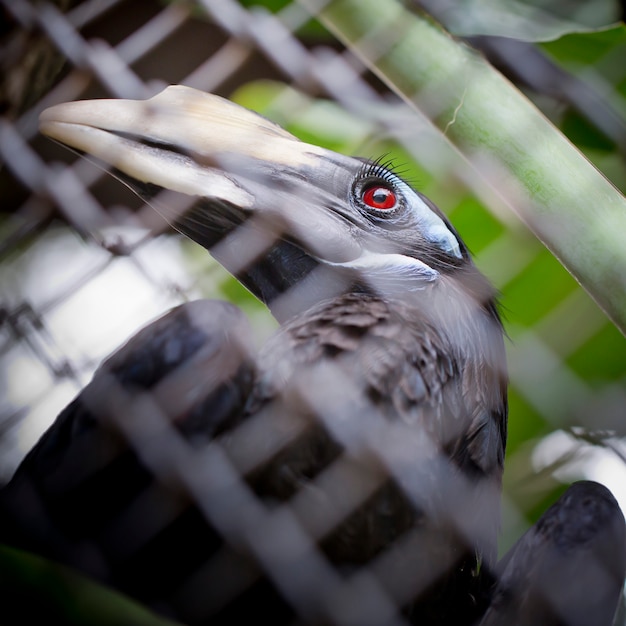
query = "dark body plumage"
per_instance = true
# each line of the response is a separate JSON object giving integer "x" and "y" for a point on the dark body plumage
{"x": 348, "y": 473}
{"x": 379, "y": 366}
{"x": 378, "y": 378}
{"x": 568, "y": 569}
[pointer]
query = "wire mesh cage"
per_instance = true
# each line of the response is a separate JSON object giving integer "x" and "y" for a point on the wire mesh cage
{"x": 86, "y": 263}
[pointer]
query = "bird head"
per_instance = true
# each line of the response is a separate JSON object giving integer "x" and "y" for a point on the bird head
{"x": 295, "y": 223}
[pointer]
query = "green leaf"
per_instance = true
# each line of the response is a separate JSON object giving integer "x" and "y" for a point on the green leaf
{"x": 37, "y": 591}
{"x": 603, "y": 50}
{"x": 528, "y": 21}
{"x": 595, "y": 118}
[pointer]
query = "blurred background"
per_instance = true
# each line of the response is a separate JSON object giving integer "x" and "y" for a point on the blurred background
{"x": 84, "y": 264}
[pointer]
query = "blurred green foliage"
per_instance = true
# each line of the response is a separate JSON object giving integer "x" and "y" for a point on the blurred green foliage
{"x": 37, "y": 591}
{"x": 598, "y": 60}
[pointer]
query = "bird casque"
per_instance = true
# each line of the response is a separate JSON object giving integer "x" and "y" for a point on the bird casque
{"x": 364, "y": 440}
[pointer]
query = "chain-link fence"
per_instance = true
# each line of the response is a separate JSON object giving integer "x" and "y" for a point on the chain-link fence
{"x": 85, "y": 264}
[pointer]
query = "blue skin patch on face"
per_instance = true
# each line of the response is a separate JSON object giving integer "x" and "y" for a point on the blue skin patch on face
{"x": 431, "y": 225}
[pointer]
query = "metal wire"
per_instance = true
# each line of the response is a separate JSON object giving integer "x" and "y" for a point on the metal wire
{"x": 69, "y": 237}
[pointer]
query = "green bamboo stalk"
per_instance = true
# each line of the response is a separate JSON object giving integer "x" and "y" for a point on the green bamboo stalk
{"x": 569, "y": 205}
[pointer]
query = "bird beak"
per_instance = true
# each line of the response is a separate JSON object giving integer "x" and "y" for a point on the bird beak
{"x": 229, "y": 163}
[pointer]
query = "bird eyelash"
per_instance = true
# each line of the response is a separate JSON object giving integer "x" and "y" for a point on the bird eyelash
{"x": 382, "y": 168}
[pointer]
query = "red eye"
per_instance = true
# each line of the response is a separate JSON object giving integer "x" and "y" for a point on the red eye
{"x": 379, "y": 198}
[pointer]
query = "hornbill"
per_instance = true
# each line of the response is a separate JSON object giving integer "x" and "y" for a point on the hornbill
{"x": 347, "y": 473}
